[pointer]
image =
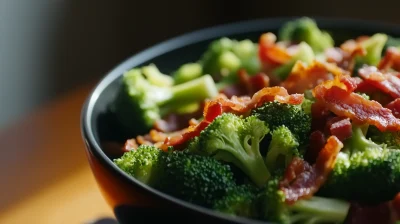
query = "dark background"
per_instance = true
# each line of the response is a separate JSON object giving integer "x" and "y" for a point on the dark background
{"x": 50, "y": 47}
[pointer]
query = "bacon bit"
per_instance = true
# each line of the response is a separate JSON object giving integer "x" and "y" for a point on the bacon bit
{"x": 340, "y": 127}
{"x": 343, "y": 102}
{"x": 395, "y": 208}
{"x": 390, "y": 60}
{"x": 317, "y": 142}
{"x": 302, "y": 181}
{"x": 369, "y": 214}
{"x": 305, "y": 77}
{"x": 248, "y": 85}
{"x": 270, "y": 53}
{"x": 130, "y": 144}
{"x": 394, "y": 106}
{"x": 319, "y": 114}
{"x": 236, "y": 105}
{"x": 387, "y": 83}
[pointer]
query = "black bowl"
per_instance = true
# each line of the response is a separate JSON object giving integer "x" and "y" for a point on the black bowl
{"x": 133, "y": 201}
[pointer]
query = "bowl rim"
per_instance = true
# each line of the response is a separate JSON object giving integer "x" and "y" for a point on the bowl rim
{"x": 184, "y": 40}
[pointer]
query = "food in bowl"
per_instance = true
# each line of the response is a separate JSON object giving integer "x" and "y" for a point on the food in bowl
{"x": 292, "y": 129}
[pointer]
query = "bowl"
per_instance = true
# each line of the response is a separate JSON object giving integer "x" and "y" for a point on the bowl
{"x": 133, "y": 201}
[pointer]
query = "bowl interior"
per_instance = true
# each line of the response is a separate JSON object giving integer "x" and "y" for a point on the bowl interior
{"x": 101, "y": 126}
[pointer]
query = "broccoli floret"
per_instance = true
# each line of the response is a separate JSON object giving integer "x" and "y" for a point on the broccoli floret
{"x": 144, "y": 163}
{"x": 187, "y": 72}
{"x": 316, "y": 210}
{"x": 374, "y": 47}
{"x": 240, "y": 201}
{"x": 155, "y": 77}
{"x": 276, "y": 114}
{"x": 306, "y": 105}
{"x": 224, "y": 57}
{"x": 305, "y": 29}
{"x": 140, "y": 102}
{"x": 390, "y": 138}
{"x": 304, "y": 53}
{"x": 364, "y": 171}
{"x": 282, "y": 149}
{"x": 236, "y": 140}
{"x": 198, "y": 179}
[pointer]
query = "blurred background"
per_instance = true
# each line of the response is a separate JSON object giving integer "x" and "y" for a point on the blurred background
{"x": 49, "y": 47}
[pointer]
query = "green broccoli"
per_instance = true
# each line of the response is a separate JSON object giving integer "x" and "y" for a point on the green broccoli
{"x": 391, "y": 42}
{"x": 141, "y": 101}
{"x": 390, "y": 138}
{"x": 236, "y": 140}
{"x": 306, "y": 30}
{"x": 145, "y": 164}
{"x": 282, "y": 149}
{"x": 155, "y": 77}
{"x": 276, "y": 114}
{"x": 374, "y": 48}
{"x": 197, "y": 179}
{"x": 364, "y": 171}
{"x": 316, "y": 210}
{"x": 224, "y": 57}
{"x": 187, "y": 72}
{"x": 240, "y": 201}
{"x": 304, "y": 53}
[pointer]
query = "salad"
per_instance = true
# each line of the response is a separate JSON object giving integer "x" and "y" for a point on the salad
{"x": 293, "y": 128}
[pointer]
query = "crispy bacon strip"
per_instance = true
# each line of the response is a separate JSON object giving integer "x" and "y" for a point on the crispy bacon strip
{"x": 394, "y": 106}
{"x": 270, "y": 53}
{"x": 302, "y": 180}
{"x": 236, "y": 105}
{"x": 339, "y": 98}
{"x": 344, "y": 57}
{"x": 305, "y": 77}
{"x": 340, "y": 127}
{"x": 386, "y": 82}
{"x": 247, "y": 85}
{"x": 390, "y": 60}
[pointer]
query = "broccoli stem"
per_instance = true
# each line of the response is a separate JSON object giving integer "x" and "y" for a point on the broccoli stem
{"x": 320, "y": 209}
{"x": 193, "y": 91}
{"x": 358, "y": 141}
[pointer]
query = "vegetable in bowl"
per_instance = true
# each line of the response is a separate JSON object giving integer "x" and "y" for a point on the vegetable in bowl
{"x": 292, "y": 129}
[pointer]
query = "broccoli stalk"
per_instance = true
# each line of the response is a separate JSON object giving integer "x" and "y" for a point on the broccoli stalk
{"x": 314, "y": 210}
{"x": 306, "y": 30}
{"x": 303, "y": 53}
{"x": 141, "y": 101}
{"x": 282, "y": 149}
{"x": 197, "y": 179}
{"x": 236, "y": 140}
{"x": 187, "y": 72}
{"x": 364, "y": 171}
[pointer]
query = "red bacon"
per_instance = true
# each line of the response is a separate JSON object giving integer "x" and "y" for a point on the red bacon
{"x": 340, "y": 127}
{"x": 305, "y": 77}
{"x": 394, "y": 106}
{"x": 386, "y": 82}
{"x": 302, "y": 180}
{"x": 236, "y": 105}
{"x": 390, "y": 60}
{"x": 339, "y": 99}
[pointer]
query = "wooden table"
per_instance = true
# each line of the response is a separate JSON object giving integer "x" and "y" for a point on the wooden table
{"x": 44, "y": 172}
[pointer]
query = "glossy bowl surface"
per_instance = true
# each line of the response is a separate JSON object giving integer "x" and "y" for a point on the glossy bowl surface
{"x": 133, "y": 201}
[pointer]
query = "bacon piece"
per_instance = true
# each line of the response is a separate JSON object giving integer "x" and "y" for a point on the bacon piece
{"x": 305, "y": 77}
{"x": 317, "y": 142}
{"x": 236, "y": 105}
{"x": 344, "y": 57}
{"x": 340, "y": 127}
{"x": 270, "y": 53}
{"x": 390, "y": 60}
{"x": 394, "y": 106}
{"x": 248, "y": 85}
{"x": 302, "y": 180}
{"x": 369, "y": 214}
{"x": 387, "y": 83}
{"x": 343, "y": 102}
